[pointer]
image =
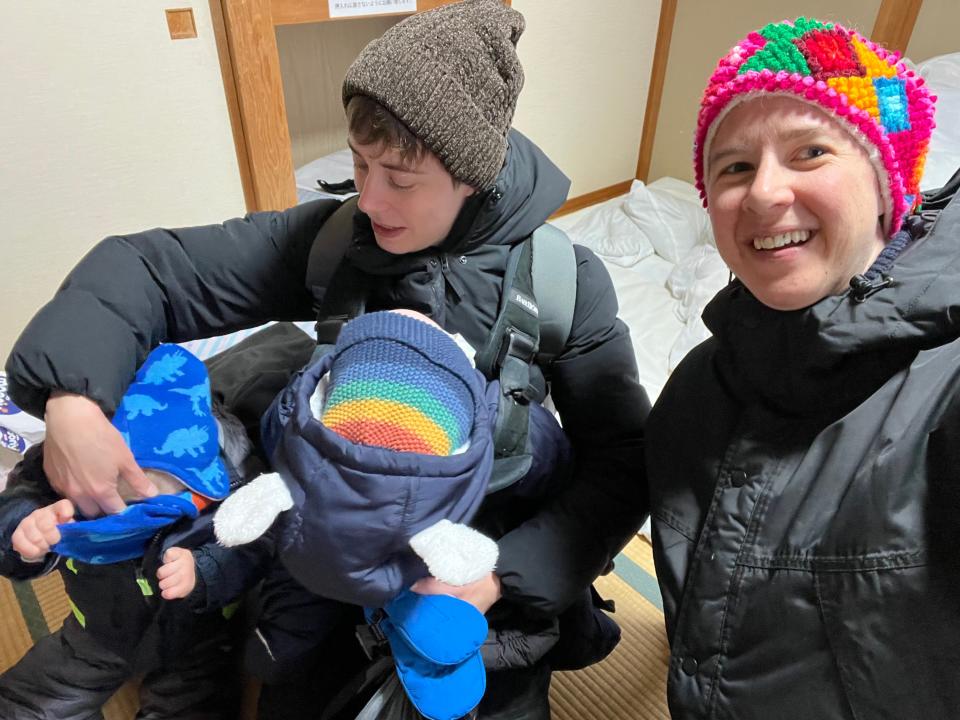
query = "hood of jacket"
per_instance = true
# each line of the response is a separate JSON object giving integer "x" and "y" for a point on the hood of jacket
{"x": 831, "y": 355}
{"x": 357, "y": 506}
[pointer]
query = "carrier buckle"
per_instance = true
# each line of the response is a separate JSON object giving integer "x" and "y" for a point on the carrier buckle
{"x": 516, "y": 344}
{"x": 371, "y": 637}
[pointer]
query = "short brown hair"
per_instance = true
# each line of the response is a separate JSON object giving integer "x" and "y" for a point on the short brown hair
{"x": 372, "y": 124}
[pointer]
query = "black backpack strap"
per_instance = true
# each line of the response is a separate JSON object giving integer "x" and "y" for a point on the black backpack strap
{"x": 328, "y": 250}
{"x": 536, "y": 313}
{"x": 555, "y": 288}
{"x": 513, "y": 343}
{"x": 339, "y": 289}
{"x": 345, "y": 299}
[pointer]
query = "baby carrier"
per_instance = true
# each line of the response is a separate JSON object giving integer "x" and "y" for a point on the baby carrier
{"x": 532, "y": 326}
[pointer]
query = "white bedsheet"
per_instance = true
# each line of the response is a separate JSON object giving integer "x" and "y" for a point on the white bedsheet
{"x": 656, "y": 244}
{"x": 335, "y": 167}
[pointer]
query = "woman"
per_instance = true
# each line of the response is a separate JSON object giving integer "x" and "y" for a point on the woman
{"x": 802, "y": 461}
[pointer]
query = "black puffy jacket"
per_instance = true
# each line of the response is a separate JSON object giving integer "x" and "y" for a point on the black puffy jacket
{"x": 132, "y": 292}
{"x": 119, "y": 603}
{"x": 805, "y": 483}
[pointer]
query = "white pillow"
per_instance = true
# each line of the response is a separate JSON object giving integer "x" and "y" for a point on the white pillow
{"x": 669, "y": 215}
{"x": 607, "y": 231}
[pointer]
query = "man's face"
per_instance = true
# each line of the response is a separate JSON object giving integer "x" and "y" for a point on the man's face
{"x": 411, "y": 204}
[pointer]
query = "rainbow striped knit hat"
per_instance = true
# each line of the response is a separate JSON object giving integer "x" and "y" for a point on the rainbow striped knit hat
{"x": 884, "y": 105}
{"x": 400, "y": 383}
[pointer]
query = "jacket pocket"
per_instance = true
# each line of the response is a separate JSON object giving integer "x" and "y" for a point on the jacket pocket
{"x": 894, "y": 631}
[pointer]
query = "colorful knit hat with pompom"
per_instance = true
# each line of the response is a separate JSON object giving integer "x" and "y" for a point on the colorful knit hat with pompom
{"x": 884, "y": 105}
{"x": 401, "y": 383}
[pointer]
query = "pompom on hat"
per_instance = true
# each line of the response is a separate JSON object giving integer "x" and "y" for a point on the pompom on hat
{"x": 864, "y": 87}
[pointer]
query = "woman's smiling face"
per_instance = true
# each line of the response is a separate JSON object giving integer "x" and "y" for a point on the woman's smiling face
{"x": 794, "y": 201}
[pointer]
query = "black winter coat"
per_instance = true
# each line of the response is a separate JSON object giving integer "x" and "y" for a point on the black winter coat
{"x": 119, "y": 604}
{"x": 131, "y": 293}
{"x": 804, "y": 478}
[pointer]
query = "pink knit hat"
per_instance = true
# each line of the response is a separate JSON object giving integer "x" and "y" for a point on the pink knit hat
{"x": 885, "y": 106}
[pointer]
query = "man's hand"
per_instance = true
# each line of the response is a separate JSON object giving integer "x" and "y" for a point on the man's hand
{"x": 84, "y": 456}
{"x": 178, "y": 574}
{"x": 482, "y": 593}
{"x": 37, "y": 532}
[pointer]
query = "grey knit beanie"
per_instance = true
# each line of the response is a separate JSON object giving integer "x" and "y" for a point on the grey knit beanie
{"x": 452, "y": 76}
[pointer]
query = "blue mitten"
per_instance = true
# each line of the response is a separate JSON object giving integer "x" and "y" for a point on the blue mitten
{"x": 435, "y": 640}
{"x": 124, "y": 535}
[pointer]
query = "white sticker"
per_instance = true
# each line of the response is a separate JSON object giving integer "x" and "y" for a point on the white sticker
{"x": 351, "y": 8}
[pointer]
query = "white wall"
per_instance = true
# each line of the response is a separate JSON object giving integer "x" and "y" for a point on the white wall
{"x": 108, "y": 126}
{"x": 314, "y": 57}
{"x": 936, "y": 31}
{"x": 587, "y": 67}
{"x": 702, "y": 33}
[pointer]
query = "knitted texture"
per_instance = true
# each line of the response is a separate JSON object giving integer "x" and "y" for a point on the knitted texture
{"x": 863, "y": 86}
{"x": 452, "y": 76}
{"x": 167, "y": 421}
{"x": 399, "y": 383}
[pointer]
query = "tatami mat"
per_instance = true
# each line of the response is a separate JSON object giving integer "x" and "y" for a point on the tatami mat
{"x": 628, "y": 685}
{"x": 631, "y": 683}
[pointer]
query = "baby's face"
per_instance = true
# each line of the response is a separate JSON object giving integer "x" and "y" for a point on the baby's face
{"x": 165, "y": 483}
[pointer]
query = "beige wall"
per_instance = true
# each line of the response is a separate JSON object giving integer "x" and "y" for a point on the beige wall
{"x": 108, "y": 126}
{"x": 937, "y": 31}
{"x": 313, "y": 60}
{"x": 587, "y": 72}
{"x": 703, "y": 31}
{"x": 587, "y": 69}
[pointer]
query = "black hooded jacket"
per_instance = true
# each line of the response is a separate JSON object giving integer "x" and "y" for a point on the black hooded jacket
{"x": 120, "y": 602}
{"x": 803, "y": 473}
{"x": 132, "y": 292}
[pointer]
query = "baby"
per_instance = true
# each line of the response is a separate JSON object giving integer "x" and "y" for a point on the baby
{"x": 384, "y": 454}
{"x": 150, "y": 589}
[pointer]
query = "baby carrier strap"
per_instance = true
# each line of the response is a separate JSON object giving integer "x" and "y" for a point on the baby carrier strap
{"x": 533, "y": 325}
{"x": 555, "y": 287}
{"x": 339, "y": 290}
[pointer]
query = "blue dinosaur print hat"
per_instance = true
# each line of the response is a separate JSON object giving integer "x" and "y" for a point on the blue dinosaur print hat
{"x": 166, "y": 420}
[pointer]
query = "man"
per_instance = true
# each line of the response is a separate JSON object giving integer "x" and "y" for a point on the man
{"x": 446, "y": 189}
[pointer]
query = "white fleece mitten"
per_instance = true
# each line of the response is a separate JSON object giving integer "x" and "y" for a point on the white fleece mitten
{"x": 251, "y": 510}
{"x": 455, "y": 554}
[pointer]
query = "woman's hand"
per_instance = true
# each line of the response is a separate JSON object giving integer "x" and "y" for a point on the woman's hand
{"x": 178, "y": 575}
{"x": 482, "y": 593}
{"x": 38, "y": 532}
{"x": 84, "y": 456}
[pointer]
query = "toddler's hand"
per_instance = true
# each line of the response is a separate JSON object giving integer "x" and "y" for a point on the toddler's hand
{"x": 37, "y": 532}
{"x": 178, "y": 574}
